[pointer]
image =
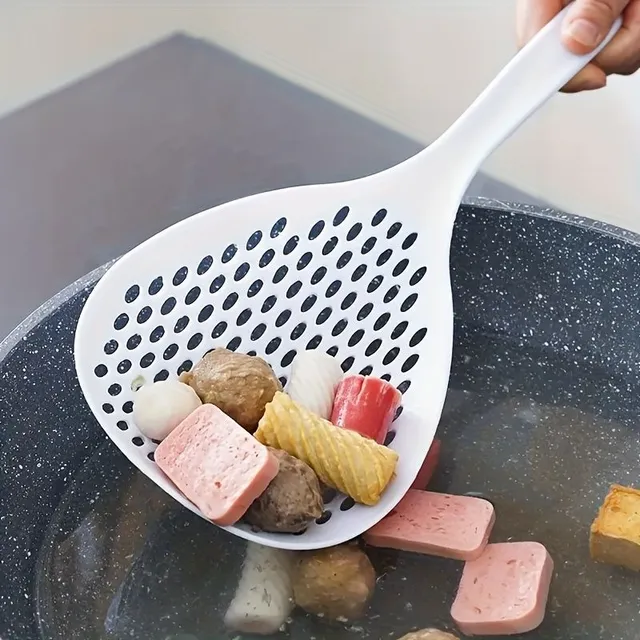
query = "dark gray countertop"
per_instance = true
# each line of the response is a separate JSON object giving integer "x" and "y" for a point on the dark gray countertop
{"x": 92, "y": 170}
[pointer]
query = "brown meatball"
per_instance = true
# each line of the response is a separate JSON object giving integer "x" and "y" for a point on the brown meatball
{"x": 336, "y": 583}
{"x": 428, "y": 634}
{"x": 291, "y": 501}
{"x": 238, "y": 384}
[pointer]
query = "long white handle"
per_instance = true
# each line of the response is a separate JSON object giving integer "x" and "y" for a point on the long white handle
{"x": 536, "y": 73}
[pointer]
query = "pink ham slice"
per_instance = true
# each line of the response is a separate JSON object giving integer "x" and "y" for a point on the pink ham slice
{"x": 365, "y": 405}
{"x": 504, "y": 591}
{"x": 436, "y": 524}
{"x": 216, "y": 464}
{"x": 429, "y": 467}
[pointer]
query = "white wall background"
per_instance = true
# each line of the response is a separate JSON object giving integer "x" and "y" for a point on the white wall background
{"x": 412, "y": 65}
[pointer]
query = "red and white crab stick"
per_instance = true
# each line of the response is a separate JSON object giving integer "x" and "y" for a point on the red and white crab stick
{"x": 366, "y": 405}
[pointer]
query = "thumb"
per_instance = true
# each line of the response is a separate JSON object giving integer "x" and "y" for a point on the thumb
{"x": 588, "y": 22}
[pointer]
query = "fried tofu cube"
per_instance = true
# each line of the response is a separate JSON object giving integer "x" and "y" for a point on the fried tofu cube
{"x": 615, "y": 533}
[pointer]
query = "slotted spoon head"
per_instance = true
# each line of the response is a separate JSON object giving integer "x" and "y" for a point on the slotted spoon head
{"x": 358, "y": 269}
{"x": 337, "y": 268}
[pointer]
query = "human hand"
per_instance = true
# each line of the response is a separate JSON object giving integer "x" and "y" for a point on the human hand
{"x": 585, "y": 26}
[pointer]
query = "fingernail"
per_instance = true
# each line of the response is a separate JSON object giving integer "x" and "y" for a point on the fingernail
{"x": 583, "y": 31}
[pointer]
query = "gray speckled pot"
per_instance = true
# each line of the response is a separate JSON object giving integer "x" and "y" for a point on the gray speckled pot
{"x": 541, "y": 418}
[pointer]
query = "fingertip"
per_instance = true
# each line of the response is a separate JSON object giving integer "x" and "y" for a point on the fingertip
{"x": 570, "y": 89}
{"x": 590, "y": 78}
{"x": 589, "y": 81}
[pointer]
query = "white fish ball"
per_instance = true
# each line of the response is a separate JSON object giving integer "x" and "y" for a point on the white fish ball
{"x": 160, "y": 407}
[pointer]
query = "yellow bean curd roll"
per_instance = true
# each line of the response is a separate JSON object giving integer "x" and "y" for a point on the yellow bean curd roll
{"x": 342, "y": 459}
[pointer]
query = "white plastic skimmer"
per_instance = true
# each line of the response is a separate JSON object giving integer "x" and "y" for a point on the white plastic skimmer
{"x": 359, "y": 269}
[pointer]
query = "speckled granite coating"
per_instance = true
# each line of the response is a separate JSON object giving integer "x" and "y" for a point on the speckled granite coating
{"x": 541, "y": 417}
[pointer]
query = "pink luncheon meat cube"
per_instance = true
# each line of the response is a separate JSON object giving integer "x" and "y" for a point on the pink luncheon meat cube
{"x": 429, "y": 466}
{"x": 504, "y": 591}
{"x": 220, "y": 467}
{"x": 437, "y": 524}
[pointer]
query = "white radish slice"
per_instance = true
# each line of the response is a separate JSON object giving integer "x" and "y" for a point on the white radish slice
{"x": 264, "y": 597}
{"x": 314, "y": 378}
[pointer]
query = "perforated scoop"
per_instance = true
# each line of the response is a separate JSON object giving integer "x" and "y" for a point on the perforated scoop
{"x": 359, "y": 269}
